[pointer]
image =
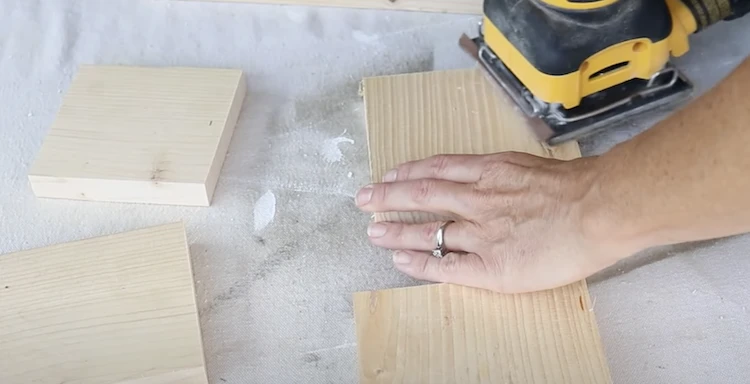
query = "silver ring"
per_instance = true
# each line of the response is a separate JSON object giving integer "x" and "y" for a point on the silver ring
{"x": 440, "y": 249}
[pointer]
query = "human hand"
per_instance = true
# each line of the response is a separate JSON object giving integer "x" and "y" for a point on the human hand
{"x": 521, "y": 222}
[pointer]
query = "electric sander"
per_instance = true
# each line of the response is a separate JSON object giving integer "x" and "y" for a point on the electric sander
{"x": 574, "y": 67}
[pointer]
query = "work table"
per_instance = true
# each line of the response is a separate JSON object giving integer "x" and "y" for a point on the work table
{"x": 279, "y": 253}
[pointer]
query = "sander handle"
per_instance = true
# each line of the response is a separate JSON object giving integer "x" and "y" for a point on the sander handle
{"x": 709, "y": 12}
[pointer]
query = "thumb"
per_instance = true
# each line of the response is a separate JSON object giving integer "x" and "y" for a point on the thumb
{"x": 455, "y": 268}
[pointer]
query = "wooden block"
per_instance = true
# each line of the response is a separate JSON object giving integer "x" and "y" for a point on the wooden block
{"x": 442, "y": 333}
{"x": 112, "y": 309}
{"x": 472, "y": 7}
{"x": 140, "y": 135}
{"x": 451, "y": 334}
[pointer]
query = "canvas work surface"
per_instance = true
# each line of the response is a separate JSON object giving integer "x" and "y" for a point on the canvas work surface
{"x": 471, "y": 7}
{"x": 276, "y": 304}
{"x": 140, "y": 135}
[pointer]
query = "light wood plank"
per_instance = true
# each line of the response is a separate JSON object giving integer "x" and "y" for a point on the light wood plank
{"x": 112, "y": 309}
{"x": 414, "y": 116}
{"x": 441, "y": 333}
{"x": 472, "y": 7}
{"x": 140, "y": 135}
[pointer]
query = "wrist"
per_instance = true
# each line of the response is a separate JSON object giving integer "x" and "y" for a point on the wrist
{"x": 609, "y": 211}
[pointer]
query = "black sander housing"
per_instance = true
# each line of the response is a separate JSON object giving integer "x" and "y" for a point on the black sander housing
{"x": 574, "y": 67}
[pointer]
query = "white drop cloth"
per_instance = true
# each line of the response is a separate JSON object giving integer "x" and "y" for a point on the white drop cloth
{"x": 282, "y": 248}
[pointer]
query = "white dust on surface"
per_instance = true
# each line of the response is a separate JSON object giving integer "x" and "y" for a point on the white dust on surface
{"x": 265, "y": 211}
{"x": 297, "y": 15}
{"x": 330, "y": 148}
{"x": 364, "y": 37}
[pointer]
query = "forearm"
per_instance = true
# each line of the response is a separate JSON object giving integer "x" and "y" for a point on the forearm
{"x": 686, "y": 179}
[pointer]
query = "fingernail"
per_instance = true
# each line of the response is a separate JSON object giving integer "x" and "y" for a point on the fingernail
{"x": 376, "y": 230}
{"x": 401, "y": 258}
{"x": 390, "y": 176}
{"x": 364, "y": 195}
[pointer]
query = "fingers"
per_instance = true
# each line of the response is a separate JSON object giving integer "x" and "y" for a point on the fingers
{"x": 463, "y": 269}
{"x": 456, "y": 168}
{"x": 425, "y": 195}
{"x": 421, "y": 237}
{"x": 459, "y": 168}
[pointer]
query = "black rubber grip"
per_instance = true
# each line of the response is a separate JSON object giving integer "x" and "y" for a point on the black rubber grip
{"x": 709, "y": 12}
{"x": 556, "y": 41}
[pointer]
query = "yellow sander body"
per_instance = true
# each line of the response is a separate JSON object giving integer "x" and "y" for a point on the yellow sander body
{"x": 577, "y": 66}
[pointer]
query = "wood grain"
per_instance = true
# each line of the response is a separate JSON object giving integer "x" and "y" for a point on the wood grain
{"x": 442, "y": 333}
{"x": 414, "y": 116}
{"x": 112, "y": 309}
{"x": 472, "y": 7}
{"x": 140, "y": 135}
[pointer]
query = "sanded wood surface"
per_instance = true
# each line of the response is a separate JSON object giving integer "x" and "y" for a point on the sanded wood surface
{"x": 442, "y": 333}
{"x": 473, "y": 7}
{"x": 140, "y": 135}
{"x": 414, "y": 116}
{"x": 112, "y": 309}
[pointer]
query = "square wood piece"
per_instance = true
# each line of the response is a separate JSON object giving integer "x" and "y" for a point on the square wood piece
{"x": 140, "y": 135}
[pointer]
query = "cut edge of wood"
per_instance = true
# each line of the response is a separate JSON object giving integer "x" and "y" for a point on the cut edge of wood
{"x": 361, "y": 90}
{"x": 117, "y": 191}
{"x": 222, "y": 147}
{"x": 178, "y": 224}
{"x": 583, "y": 282}
{"x": 194, "y": 294}
{"x": 436, "y": 72}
